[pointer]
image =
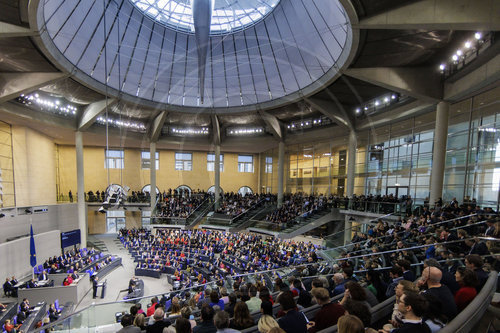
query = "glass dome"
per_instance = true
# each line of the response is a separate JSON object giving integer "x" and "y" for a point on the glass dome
{"x": 228, "y": 16}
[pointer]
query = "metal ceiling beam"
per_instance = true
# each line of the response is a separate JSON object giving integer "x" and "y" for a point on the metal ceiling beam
{"x": 438, "y": 14}
{"x": 202, "y": 19}
{"x": 474, "y": 81}
{"x": 273, "y": 123}
{"x": 400, "y": 113}
{"x": 156, "y": 126}
{"x": 92, "y": 111}
{"x": 11, "y": 30}
{"x": 332, "y": 109}
{"x": 14, "y": 84}
{"x": 420, "y": 83}
{"x": 216, "y": 130}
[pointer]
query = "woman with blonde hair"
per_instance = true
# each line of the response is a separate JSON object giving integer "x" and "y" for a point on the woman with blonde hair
{"x": 350, "y": 324}
{"x": 140, "y": 321}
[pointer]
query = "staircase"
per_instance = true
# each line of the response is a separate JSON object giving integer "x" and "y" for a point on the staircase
{"x": 198, "y": 214}
{"x": 251, "y": 216}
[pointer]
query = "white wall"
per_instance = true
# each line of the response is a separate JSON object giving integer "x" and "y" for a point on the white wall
{"x": 15, "y": 255}
{"x": 62, "y": 217}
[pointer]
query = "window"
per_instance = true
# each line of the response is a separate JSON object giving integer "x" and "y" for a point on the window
{"x": 245, "y": 163}
{"x": 184, "y": 161}
{"x": 211, "y": 162}
{"x": 114, "y": 159}
{"x": 269, "y": 165}
{"x": 146, "y": 160}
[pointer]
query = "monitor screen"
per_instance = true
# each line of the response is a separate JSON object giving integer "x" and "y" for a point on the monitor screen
{"x": 70, "y": 238}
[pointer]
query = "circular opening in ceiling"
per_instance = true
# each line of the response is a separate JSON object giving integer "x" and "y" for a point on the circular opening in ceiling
{"x": 228, "y": 16}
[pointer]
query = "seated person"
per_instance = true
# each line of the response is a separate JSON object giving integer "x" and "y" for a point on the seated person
{"x": 43, "y": 276}
{"x": 53, "y": 313}
{"x": 32, "y": 284}
{"x": 10, "y": 327}
{"x": 68, "y": 280}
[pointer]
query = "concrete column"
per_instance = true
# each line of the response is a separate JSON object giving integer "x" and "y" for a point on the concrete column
{"x": 82, "y": 207}
{"x": 152, "y": 174}
{"x": 281, "y": 171}
{"x": 351, "y": 163}
{"x": 347, "y": 230}
{"x": 439, "y": 151}
{"x": 217, "y": 175}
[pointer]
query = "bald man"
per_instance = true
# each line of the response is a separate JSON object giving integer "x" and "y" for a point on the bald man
{"x": 431, "y": 277}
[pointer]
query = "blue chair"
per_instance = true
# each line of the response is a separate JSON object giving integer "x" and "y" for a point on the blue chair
{"x": 56, "y": 305}
{"x": 102, "y": 254}
{"x": 35, "y": 270}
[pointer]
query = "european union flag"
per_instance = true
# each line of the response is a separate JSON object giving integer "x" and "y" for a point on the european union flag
{"x": 32, "y": 248}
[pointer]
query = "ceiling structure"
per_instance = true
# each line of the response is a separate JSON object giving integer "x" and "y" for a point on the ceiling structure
{"x": 267, "y": 67}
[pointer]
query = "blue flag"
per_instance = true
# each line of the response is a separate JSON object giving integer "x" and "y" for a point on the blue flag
{"x": 32, "y": 248}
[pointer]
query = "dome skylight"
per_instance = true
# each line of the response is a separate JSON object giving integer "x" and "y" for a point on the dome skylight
{"x": 228, "y": 16}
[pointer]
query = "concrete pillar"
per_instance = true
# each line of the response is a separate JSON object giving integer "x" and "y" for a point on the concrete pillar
{"x": 351, "y": 163}
{"x": 217, "y": 175}
{"x": 347, "y": 230}
{"x": 82, "y": 207}
{"x": 152, "y": 174}
{"x": 281, "y": 171}
{"x": 439, "y": 151}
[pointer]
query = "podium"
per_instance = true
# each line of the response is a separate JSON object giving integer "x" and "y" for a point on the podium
{"x": 103, "y": 291}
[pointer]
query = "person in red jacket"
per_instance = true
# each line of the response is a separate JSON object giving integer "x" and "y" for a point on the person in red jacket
{"x": 152, "y": 308}
{"x": 68, "y": 280}
{"x": 467, "y": 280}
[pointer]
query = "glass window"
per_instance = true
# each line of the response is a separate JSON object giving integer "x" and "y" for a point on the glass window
{"x": 184, "y": 161}
{"x": 245, "y": 163}
{"x": 146, "y": 160}
{"x": 114, "y": 159}
{"x": 269, "y": 164}
{"x": 211, "y": 162}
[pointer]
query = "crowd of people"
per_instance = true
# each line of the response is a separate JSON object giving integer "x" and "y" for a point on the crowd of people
{"x": 234, "y": 204}
{"x": 180, "y": 207}
{"x": 295, "y": 205}
{"x": 434, "y": 263}
{"x": 209, "y": 255}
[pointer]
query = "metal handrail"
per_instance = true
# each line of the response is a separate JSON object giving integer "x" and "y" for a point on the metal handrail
{"x": 246, "y": 212}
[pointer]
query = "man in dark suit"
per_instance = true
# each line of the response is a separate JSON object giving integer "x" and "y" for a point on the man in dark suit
{"x": 477, "y": 247}
{"x": 95, "y": 285}
{"x": 43, "y": 276}
{"x": 408, "y": 274}
{"x": 475, "y": 263}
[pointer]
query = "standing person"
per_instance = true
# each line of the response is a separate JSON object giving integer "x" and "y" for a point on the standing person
{"x": 70, "y": 196}
{"x": 95, "y": 285}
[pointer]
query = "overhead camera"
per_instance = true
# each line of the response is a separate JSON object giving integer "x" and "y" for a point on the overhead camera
{"x": 115, "y": 197}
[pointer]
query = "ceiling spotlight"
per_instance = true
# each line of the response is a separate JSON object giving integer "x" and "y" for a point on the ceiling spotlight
{"x": 366, "y": 108}
{"x": 455, "y": 57}
{"x": 477, "y": 35}
{"x": 386, "y": 99}
{"x": 377, "y": 103}
{"x": 459, "y": 53}
{"x": 358, "y": 110}
{"x": 442, "y": 67}
{"x": 288, "y": 126}
{"x": 393, "y": 96}
{"x": 468, "y": 44}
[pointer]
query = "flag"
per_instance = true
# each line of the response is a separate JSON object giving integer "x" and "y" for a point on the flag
{"x": 32, "y": 248}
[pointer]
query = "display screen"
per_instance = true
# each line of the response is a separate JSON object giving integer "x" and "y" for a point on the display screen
{"x": 70, "y": 238}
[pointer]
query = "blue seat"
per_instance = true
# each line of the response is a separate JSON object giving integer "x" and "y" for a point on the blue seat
{"x": 14, "y": 320}
{"x": 56, "y": 305}
{"x": 35, "y": 270}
